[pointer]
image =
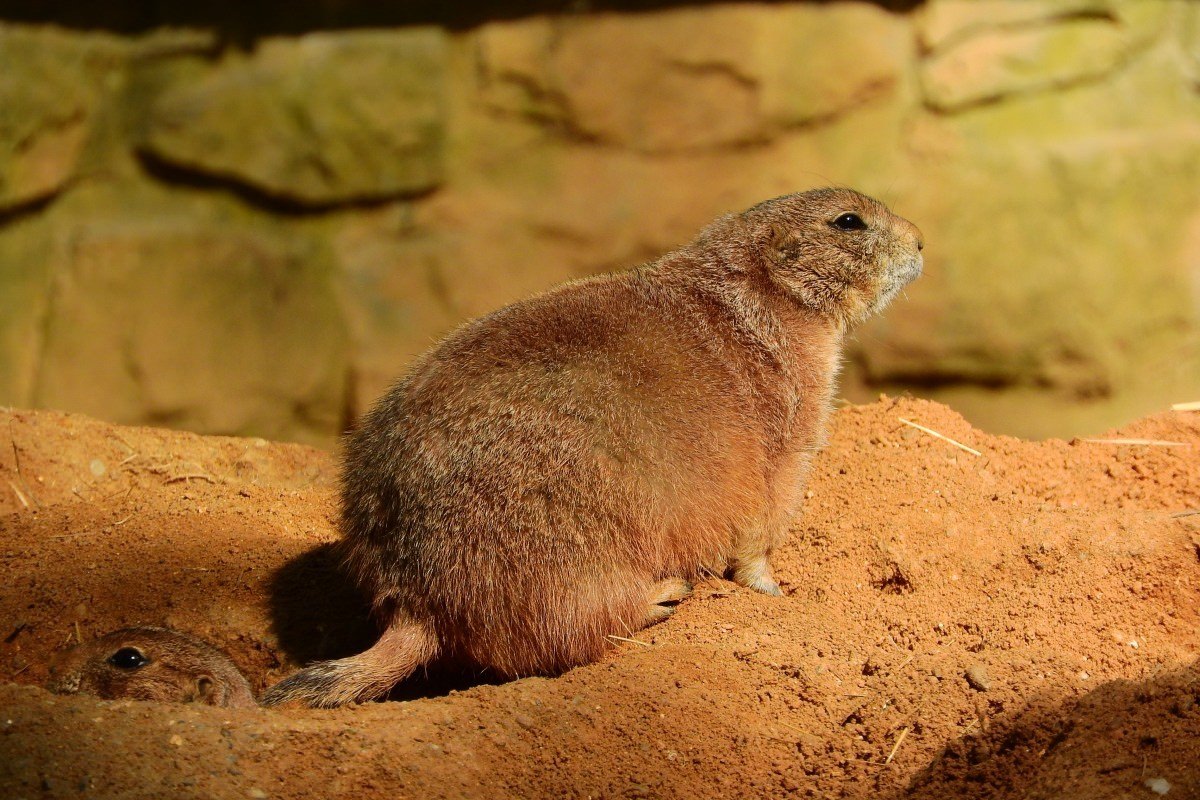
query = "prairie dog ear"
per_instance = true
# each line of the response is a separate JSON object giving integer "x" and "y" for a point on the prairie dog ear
{"x": 781, "y": 244}
{"x": 206, "y": 690}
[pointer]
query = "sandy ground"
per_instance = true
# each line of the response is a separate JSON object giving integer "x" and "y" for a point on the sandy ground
{"x": 1063, "y": 576}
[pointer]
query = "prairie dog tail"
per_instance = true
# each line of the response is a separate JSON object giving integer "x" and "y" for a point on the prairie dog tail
{"x": 402, "y": 648}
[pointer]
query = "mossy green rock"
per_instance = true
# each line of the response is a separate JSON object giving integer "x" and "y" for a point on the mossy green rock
{"x": 24, "y": 296}
{"x": 318, "y": 120}
{"x": 393, "y": 291}
{"x": 984, "y": 51}
{"x": 50, "y": 85}
{"x": 1062, "y": 257}
{"x": 199, "y": 321}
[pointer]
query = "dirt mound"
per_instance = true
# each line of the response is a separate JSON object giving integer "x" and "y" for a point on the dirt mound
{"x": 1019, "y": 623}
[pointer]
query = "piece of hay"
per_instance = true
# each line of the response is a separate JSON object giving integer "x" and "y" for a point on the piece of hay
{"x": 896, "y": 746}
{"x": 943, "y": 437}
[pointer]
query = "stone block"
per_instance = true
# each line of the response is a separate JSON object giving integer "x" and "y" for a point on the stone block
{"x": 24, "y": 295}
{"x": 207, "y": 325}
{"x": 1061, "y": 258}
{"x": 318, "y": 120}
{"x": 693, "y": 79}
{"x": 1029, "y": 47}
{"x": 941, "y": 23}
{"x": 50, "y": 86}
{"x": 394, "y": 294}
{"x": 822, "y": 60}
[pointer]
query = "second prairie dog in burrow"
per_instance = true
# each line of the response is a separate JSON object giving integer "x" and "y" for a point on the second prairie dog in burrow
{"x": 557, "y": 471}
{"x": 148, "y": 663}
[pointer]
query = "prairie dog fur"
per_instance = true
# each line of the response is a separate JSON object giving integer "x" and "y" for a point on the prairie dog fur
{"x": 559, "y": 470}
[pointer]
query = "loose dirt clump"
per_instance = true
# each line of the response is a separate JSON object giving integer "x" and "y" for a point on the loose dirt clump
{"x": 1019, "y": 623}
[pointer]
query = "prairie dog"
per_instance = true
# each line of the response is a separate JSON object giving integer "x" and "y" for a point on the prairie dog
{"x": 147, "y": 663}
{"x": 559, "y": 470}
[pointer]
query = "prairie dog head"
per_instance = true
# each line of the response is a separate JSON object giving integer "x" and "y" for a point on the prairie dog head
{"x": 151, "y": 664}
{"x": 836, "y": 252}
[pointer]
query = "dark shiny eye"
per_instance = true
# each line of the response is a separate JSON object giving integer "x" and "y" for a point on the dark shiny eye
{"x": 849, "y": 222}
{"x": 128, "y": 658}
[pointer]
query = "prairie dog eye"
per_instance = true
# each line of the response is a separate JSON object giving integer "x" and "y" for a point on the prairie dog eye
{"x": 128, "y": 658}
{"x": 849, "y": 222}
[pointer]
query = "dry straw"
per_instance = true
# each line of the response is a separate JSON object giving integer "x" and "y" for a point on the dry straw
{"x": 896, "y": 746}
{"x": 631, "y": 641}
{"x": 941, "y": 436}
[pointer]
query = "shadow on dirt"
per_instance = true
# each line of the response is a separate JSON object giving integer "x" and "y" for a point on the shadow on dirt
{"x": 439, "y": 681}
{"x": 1123, "y": 739}
{"x": 317, "y": 613}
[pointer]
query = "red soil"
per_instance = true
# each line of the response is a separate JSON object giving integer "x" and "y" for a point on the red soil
{"x": 1063, "y": 577}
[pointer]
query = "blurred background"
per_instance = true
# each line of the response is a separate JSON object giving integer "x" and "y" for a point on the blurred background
{"x": 247, "y": 218}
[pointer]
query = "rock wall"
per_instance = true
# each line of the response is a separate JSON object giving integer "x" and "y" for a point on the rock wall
{"x": 256, "y": 239}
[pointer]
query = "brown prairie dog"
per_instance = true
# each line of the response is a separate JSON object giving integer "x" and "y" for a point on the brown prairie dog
{"x": 147, "y": 663}
{"x": 557, "y": 471}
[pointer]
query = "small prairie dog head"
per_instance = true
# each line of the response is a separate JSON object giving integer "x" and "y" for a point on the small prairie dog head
{"x": 837, "y": 252}
{"x": 151, "y": 664}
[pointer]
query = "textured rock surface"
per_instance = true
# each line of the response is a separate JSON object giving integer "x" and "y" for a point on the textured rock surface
{"x": 201, "y": 323}
{"x": 50, "y": 86}
{"x": 692, "y": 78}
{"x": 393, "y": 290}
{"x": 1052, "y": 270}
{"x": 318, "y": 120}
{"x": 1049, "y": 149}
{"x": 24, "y": 296}
{"x": 982, "y": 52}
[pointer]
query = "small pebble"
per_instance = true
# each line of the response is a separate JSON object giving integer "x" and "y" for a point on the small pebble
{"x": 525, "y": 722}
{"x": 97, "y": 467}
{"x": 1158, "y": 785}
{"x": 977, "y": 678}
